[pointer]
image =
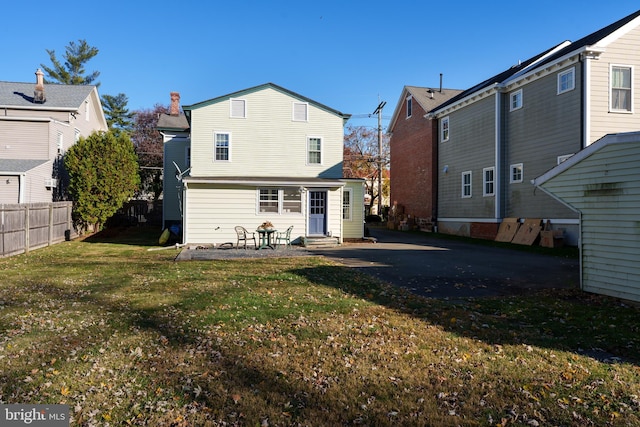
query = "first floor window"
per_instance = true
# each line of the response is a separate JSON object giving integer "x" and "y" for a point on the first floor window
{"x": 488, "y": 182}
{"x": 346, "y": 204}
{"x": 315, "y": 151}
{"x": 268, "y": 200}
{"x": 516, "y": 173}
{"x": 466, "y": 184}
{"x": 621, "y": 88}
{"x": 222, "y": 146}
{"x": 280, "y": 200}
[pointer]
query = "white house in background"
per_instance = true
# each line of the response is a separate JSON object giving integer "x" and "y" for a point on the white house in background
{"x": 260, "y": 154}
{"x": 38, "y": 123}
{"x": 602, "y": 184}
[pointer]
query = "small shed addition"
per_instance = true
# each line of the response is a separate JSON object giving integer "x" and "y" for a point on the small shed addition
{"x": 602, "y": 184}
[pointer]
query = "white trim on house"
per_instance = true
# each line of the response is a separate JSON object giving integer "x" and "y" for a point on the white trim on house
{"x": 519, "y": 169}
{"x": 571, "y": 85}
{"x": 463, "y": 184}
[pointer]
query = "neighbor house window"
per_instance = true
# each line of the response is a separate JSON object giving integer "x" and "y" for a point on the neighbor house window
{"x": 280, "y": 200}
{"x": 516, "y": 173}
{"x": 563, "y": 157}
{"x": 314, "y": 147}
{"x": 300, "y": 112}
{"x": 409, "y": 106}
{"x": 268, "y": 200}
{"x": 222, "y": 146}
{"x": 515, "y": 102}
{"x": 76, "y": 135}
{"x": 566, "y": 80}
{"x": 87, "y": 110}
{"x": 346, "y": 204}
{"x": 60, "y": 142}
{"x": 488, "y": 187}
{"x": 621, "y": 94}
{"x": 466, "y": 184}
{"x": 238, "y": 108}
{"x": 444, "y": 129}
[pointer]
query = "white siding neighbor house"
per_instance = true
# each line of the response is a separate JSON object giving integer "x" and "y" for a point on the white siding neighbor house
{"x": 256, "y": 155}
{"x": 38, "y": 123}
{"x": 602, "y": 184}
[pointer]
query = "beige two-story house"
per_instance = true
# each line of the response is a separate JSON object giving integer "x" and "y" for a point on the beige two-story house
{"x": 256, "y": 155}
{"x": 38, "y": 123}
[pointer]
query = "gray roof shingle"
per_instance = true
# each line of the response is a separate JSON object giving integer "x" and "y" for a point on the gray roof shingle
{"x": 58, "y": 96}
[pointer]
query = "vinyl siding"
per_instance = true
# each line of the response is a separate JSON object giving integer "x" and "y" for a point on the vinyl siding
{"x": 24, "y": 140}
{"x": 174, "y": 150}
{"x": 623, "y": 51}
{"x": 605, "y": 187}
{"x": 267, "y": 143}
{"x": 208, "y": 208}
{"x": 9, "y": 188}
{"x": 471, "y": 147}
{"x": 547, "y": 126}
{"x": 354, "y": 227}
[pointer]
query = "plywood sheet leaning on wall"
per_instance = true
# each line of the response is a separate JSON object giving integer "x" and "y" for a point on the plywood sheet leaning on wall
{"x": 528, "y": 232}
{"x": 508, "y": 229}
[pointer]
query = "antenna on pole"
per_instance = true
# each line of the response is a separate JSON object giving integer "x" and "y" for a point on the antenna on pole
{"x": 378, "y": 111}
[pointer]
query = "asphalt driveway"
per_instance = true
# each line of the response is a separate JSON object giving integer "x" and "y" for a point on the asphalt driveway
{"x": 442, "y": 268}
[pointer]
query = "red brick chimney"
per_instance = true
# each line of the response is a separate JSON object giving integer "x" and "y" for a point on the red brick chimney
{"x": 175, "y": 104}
{"x": 38, "y": 93}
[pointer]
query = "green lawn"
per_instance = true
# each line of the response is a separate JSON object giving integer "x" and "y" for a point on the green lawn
{"x": 127, "y": 336}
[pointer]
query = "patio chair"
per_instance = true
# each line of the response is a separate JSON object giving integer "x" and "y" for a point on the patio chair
{"x": 243, "y": 236}
{"x": 284, "y": 237}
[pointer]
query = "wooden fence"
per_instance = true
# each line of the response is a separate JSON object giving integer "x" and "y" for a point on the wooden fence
{"x": 24, "y": 227}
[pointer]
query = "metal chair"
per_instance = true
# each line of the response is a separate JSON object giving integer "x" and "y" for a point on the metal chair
{"x": 284, "y": 237}
{"x": 243, "y": 235}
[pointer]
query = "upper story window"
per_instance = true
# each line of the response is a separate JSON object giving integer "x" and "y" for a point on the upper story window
{"x": 567, "y": 80}
{"x": 222, "y": 141}
{"x": 515, "y": 100}
{"x": 409, "y": 106}
{"x": 76, "y": 135}
{"x": 466, "y": 184}
{"x": 444, "y": 129}
{"x": 516, "y": 173}
{"x": 314, "y": 149}
{"x": 60, "y": 142}
{"x": 238, "y": 108}
{"x": 488, "y": 181}
{"x": 300, "y": 112}
{"x": 346, "y": 204}
{"x": 87, "y": 110}
{"x": 621, "y": 95}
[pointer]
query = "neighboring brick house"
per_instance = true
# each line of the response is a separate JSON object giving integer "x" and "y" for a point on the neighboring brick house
{"x": 414, "y": 154}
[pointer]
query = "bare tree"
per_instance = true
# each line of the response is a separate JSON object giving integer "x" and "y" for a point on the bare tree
{"x": 148, "y": 143}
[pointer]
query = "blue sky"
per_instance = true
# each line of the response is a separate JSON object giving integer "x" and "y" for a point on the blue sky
{"x": 349, "y": 55}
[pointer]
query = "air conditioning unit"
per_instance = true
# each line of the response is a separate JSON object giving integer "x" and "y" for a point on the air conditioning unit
{"x": 51, "y": 183}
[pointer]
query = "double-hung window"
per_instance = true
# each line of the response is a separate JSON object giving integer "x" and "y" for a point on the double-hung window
{"x": 488, "y": 181}
{"x": 567, "y": 80}
{"x": 222, "y": 146}
{"x": 286, "y": 200}
{"x": 346, "y": 204}
{"x": 515, "y": 100}
{"x": 621, "y": 95}
{"x": 466, "y": 184}
{"x": 314, "y": 149}
{"x": 444, "y": 129}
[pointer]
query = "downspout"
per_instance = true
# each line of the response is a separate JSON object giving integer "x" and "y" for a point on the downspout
{"x": 585, "y": 101}
{"x": 184, "y": 212}
{"x": 498, "y": 158}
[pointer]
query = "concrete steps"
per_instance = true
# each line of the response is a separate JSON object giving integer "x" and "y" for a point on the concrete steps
{"x": 320, "y": 242}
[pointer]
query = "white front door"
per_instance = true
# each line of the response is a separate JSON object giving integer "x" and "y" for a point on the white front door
{"x": 317, "y": 213}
